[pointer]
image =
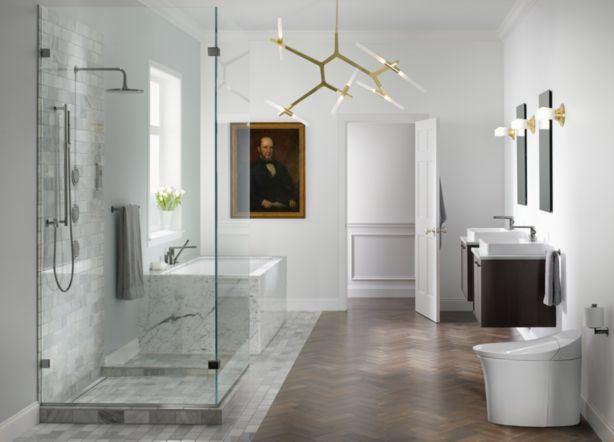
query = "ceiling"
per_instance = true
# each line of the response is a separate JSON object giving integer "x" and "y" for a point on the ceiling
{"x": 360, "y": 15}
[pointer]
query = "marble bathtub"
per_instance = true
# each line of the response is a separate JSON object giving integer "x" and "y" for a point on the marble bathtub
{"x": 179, "y": 315}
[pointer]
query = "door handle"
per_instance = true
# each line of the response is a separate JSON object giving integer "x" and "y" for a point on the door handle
{"x": 435, "y": 230}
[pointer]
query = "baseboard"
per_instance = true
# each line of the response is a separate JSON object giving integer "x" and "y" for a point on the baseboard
{"x": 19, "y": 423}
{"x": 598, "y": 423}
{"x": 316, "y": 304}
{"x": 455, "y": 305}
{"x": 381, "y": 293}
{"x": 123, "y": 354}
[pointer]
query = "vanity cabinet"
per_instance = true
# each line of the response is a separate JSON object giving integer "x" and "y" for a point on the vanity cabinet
{"x": 467, "y": 268}
{"x": 510, "y": 293}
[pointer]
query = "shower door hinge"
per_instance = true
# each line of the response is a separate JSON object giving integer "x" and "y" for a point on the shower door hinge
{"x": 213, "y": 51}
{"x": 45, "y": 363}
{"x": 214, "y": 365}
{"x": 45, "y": 52}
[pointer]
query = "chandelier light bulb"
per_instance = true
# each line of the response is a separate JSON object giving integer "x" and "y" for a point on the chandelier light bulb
{"x": 285, "y": 111}
{"x": 381, "y": 93}
{"x": 280, "y": 39}
{"x": 390, "y": 100}
{"x": 344, "y": 92}
{"x": 368, "y": 51}
{"x": 411, "y": 81}
{"x": 366, "y": 86}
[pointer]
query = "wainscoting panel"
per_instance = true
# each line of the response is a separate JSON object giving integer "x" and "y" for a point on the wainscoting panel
{"x": 381, "y": 260}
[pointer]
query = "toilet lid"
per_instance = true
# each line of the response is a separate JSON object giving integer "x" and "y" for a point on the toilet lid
{"x": 561, "y": 346}
{"x": 522, "y": 351}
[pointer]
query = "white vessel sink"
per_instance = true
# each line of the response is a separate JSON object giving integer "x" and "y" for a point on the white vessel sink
{"x": 475, "y": 234}
{"x": 519, "y": 247}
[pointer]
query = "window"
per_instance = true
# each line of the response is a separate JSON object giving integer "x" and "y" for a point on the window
{"x": 164, "y": 148}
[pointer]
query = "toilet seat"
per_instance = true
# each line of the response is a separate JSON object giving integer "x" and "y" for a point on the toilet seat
{"x": 561, "y": 346}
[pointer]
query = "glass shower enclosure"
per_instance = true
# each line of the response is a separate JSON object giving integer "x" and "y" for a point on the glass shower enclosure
{"x": 140, "y": 320}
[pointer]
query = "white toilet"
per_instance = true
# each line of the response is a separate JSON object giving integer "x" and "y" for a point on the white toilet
{"x": 533, "y": 383}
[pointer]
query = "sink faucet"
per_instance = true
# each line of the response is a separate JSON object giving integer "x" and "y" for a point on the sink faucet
{"x": 171, "y": 258}
{"x": 509, "y": 218}
{"x": 532, "y": 229}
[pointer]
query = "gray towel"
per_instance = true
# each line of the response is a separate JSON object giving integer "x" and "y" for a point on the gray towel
{"x": 443, "y": 215}
{"x": 130, "y": 284}
{"x": 552, "y": 294}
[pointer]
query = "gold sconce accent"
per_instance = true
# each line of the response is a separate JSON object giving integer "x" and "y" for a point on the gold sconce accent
{"x": 505, "y": 132}
{"x": 391, "y": 66}
{"x": 547, "y": 113}
{"x": 521, "y": 124}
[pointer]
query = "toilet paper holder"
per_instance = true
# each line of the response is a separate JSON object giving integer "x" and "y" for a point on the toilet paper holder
{"x": 594, "y": 318}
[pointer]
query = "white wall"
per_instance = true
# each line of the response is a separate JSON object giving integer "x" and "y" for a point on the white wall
{"x": 380, "y": 173}
{"x": 18, "y": 368}
{"x": 380, "y": 209}
{"x": 463, "y": 74}
{"x": 566, "y": 46}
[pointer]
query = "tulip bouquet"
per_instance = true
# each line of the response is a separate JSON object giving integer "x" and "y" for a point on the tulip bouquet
{"x": 168, "y": 198}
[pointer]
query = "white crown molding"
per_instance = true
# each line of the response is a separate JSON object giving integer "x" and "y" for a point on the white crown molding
{"x": 511, "y": 19}
{"x": 180, "y": 18}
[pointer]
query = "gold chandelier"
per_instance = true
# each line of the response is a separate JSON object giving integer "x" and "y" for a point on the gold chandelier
{"x": 377, "y": 89}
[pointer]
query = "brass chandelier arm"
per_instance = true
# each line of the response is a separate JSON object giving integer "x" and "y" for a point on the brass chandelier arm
{"x": 296, "y": 52}
{"x": 307, "y": 94}
{"x": 352, "y": 63}
{"x": 374, "y": 75}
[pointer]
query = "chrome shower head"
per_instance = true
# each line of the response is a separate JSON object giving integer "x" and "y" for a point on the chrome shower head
{"x": 122, "y": 90}
{"x": 125, "y": 90}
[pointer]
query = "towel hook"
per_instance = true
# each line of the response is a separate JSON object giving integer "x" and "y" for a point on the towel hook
{"x": 117, "y": 208}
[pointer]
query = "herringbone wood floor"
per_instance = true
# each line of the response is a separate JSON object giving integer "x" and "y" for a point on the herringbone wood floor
{"x": 382, "y": 372}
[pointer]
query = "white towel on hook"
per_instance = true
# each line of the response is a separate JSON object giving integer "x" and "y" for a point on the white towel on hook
{"x": 552, "y": 295}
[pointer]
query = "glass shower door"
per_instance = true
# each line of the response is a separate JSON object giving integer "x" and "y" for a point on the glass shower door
{"x": 96, "y": 348}
{"x": 231, "y": 213}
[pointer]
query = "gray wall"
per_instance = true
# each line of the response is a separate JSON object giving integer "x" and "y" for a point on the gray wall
{"x": 18, "y": 220}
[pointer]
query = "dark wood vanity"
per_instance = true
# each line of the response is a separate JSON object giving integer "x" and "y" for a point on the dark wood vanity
{"x": 467, "y": 268}
{"x": 507, "y": 292}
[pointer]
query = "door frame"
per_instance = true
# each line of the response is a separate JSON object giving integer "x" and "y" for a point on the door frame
{"x": 342, "y": 123}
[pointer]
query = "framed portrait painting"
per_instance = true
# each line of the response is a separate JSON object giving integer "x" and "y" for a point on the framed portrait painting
{"x": 267, "y": 170}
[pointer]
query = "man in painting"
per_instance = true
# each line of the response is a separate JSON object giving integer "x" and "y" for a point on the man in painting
{"x": 271, "y": 187}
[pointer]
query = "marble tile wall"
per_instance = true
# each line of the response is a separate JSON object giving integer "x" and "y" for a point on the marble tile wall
{"x": 179, "y": 316}
{"x": 70, "y": 324}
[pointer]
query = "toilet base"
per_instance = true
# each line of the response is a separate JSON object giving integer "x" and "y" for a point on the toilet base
{"x": 532, "y": 393}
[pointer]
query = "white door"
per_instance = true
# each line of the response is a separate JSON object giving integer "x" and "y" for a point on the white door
{"x": 427, "y": 220}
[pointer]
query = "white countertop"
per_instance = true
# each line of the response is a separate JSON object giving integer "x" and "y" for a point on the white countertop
{"x": 476, "y": 253}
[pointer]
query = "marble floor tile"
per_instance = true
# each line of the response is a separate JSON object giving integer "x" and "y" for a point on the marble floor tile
{"x": 246, "y": 408}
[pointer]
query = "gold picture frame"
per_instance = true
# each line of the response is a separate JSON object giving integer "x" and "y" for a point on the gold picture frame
{"x": 267, "y": 163}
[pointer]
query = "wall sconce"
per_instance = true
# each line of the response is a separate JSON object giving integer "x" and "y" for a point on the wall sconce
{"x": 547, "y": 113}
{"x": 594, "y": 318}
{"x": 520, "y": 124}
{"x": 505, "y": 132}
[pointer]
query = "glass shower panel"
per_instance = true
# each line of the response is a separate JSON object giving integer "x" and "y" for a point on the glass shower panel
{"x": 96, "y": 346}
{"x": 234, "y": 282}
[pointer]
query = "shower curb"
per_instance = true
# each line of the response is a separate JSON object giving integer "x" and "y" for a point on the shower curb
{"x": 100, "y": 414}
{"x": 136, "y": 414}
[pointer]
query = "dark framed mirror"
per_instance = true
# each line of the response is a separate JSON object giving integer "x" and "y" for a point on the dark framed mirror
{"x": 521, "y": 158}
{"x": 545, "y": 156}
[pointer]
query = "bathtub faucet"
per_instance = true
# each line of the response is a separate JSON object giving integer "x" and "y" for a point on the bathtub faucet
{"x": 171, "y": 258}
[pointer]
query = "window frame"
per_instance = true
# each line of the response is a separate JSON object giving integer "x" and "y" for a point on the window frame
{"x": 163, "y": 76}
